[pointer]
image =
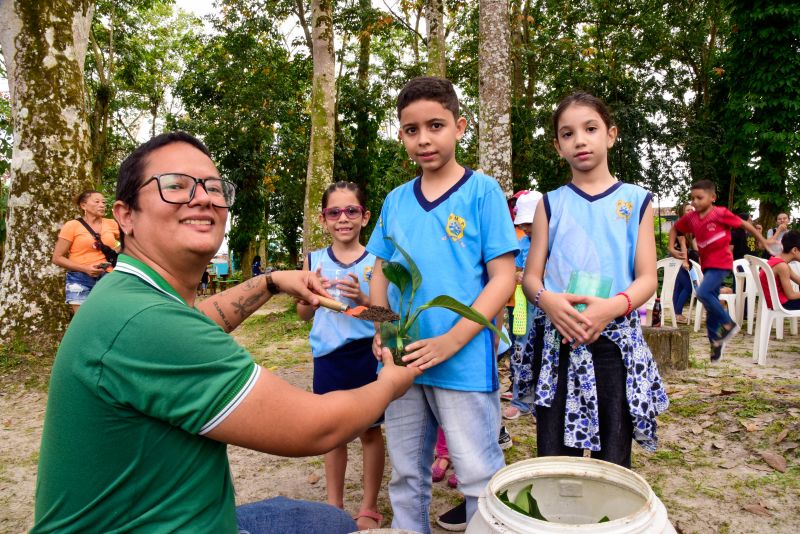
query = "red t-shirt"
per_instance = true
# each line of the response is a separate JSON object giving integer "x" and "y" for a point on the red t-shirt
{"x": 712, "y": 234}
{"x": 773, "y": 261}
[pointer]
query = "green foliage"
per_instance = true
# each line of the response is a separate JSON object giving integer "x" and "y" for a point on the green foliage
{"x": 409, "y": 280}
{"x": 761, "y": 114}
{"x": 246, "y": 96}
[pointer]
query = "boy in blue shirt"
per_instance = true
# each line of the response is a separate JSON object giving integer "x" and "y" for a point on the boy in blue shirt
{"x": 454, "y": 223}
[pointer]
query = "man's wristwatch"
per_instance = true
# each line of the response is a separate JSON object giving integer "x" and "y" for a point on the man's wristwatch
{"x": 271, "y": 286}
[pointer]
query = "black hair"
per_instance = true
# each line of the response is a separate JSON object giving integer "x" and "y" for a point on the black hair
{"x": 743, "y": 215}
{"x": 431, "y": 88}
{"x": 349, "y": 186}
{"x": 130, "y": 172}
{"x": 790, "y": 240}
{"x": 83, "y": 196}
{"x": 582, "y": 98}
{"x": 706, "y": 185}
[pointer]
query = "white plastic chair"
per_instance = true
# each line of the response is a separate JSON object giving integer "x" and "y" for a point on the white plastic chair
{"x": 766, "y": 316}
{"x": 746, "y": 294}
{"x": 670, "y": 267}
{"x": 729, "y": 299}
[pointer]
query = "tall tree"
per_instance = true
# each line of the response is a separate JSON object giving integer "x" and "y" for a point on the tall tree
{"x": 763, "y": 114}
{"x": 494, "y": 87}
{"x": 320, "y": 157}
{"x": 437, "y": 49}
{"x": 44, "y": 45}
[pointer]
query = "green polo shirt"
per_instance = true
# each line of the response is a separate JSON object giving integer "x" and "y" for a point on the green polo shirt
{"x": 137, "y": 380}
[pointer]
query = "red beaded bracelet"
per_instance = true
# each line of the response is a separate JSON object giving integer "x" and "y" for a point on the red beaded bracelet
{"x": 630, "y": 303}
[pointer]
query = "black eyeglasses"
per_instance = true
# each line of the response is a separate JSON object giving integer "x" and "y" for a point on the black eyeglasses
{"x": 352, "y": 212}
{"x": 176, "y": 188}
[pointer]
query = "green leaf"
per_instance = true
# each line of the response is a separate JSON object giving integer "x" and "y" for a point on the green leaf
{"x": 522, "y": 500}
{"x": 397, "y": 274}
{"x": 533, "y": 506}
{"x": 503, "y": 496}
{"x": 416, "y": 276}
{"x": 604, "y": 519}
{"x": 448, "y": 302}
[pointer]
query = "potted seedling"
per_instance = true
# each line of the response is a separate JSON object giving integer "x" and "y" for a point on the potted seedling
{"x": 397, "y": 334}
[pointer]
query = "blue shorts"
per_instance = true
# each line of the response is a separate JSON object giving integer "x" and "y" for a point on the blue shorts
{"x": 78, "y": 287}
{"x": 350, "y": 366}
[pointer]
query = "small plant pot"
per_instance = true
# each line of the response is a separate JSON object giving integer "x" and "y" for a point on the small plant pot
{"x": 397, "y": 342}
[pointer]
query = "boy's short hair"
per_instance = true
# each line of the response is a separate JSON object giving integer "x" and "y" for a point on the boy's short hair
{"x": 431, "y": 88}
{"x": 706, "y": 185}
{"x": 790, "y": 240}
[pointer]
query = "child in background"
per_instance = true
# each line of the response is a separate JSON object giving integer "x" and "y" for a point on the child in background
{"x": 520, "y": 366}
{"x": 454, "y": 223}
{"x": 341, "y": 345}
{"x": 784, "y": 275}
{"x": 711, "y": 226}
{"x": 585, "y": 358}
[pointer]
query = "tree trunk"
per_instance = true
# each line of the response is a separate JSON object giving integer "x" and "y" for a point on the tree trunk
{"x": 320, "y": 158}
{"x": 361, "y": 153}
{"x": 44, "y": 44}
{"x": 494, "y": 85}
{"x": 437, "y": 50}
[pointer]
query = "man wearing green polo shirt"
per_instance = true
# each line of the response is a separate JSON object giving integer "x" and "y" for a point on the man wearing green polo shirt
{"x": 147, "y": 388}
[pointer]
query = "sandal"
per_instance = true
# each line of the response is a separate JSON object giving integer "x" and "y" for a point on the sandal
{"x": 369, "y": 514}
{"x": 439, "y": 468}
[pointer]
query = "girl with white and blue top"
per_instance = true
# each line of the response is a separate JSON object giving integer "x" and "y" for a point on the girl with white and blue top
{"x": 342, "y": 345}
{"x": 595, "y": 383}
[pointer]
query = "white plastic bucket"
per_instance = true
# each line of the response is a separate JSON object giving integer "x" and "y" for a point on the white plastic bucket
{"x": 573, "y": 494}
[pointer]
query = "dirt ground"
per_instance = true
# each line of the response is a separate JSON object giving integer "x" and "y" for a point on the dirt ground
{"x": 728, "y": 458}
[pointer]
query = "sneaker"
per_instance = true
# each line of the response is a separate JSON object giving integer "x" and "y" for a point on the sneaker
{"x": 455, "y": 519}
{"x": 716, "y": 352}
{"x": 724, "y": 336}
{"x": 507, "y": 395}
{"x": 512, "y": 412}
{"x": 505, "y": 439}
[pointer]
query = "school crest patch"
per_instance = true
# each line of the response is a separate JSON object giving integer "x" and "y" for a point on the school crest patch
{"x": 624, "y": 209}
{"x": 455, "y": 227}
{"x": 368, "y": 273}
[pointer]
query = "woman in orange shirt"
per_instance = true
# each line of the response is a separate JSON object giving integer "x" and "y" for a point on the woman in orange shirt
{"x": 78, "y": 252}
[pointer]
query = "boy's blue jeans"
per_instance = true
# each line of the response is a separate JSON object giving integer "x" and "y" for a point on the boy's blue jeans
{"x": 708, "y": 294}
{"x": 288, "y": 516}
{"x": 470, "y": 421}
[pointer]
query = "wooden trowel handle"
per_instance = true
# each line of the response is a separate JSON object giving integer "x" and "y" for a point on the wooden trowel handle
{"x": 331, "y": 304}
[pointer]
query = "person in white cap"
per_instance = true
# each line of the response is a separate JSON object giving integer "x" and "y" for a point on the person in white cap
{"x": 523, "y": 219}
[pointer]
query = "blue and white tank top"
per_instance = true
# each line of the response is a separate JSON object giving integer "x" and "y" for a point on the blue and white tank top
{"x": 332, "y": 329}
{"x": 593, "y": 233}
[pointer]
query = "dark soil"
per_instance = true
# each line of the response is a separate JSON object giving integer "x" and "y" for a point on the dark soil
{"x": 379, "y": 314}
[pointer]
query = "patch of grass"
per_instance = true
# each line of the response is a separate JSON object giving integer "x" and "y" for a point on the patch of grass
{"x": 279, "y": 359}
{"x": 752, "y": 405}
{"x": 668, "y": 457}
{"x": 775, "y": 482}
{"x": 698, "y": 362}
{"x": 277, "y": 327}
{"x": 20, "y": 366}
{"x": 689, "y": 406}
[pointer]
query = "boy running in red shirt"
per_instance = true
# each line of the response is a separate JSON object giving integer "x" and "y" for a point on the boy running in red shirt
{"x": 711, "y": 226}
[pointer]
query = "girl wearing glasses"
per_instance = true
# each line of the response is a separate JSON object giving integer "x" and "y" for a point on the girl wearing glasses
{"x": 341, "y": 345}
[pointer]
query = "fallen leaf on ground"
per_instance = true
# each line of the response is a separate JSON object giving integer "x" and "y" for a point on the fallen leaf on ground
{"x": 782, "y": 435}
{"x": 726, "y": 391}
{"x": 313, "y": 478}
{"x": 757, "y": 509}
{"x": 789, "y": 445}
{"x": 750, "y": 426}
{"x": 716, "y": 445}
{"x": 697, "y": 429}
{"x": 706, "y": 424}
{"x": 774, "y": 460}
